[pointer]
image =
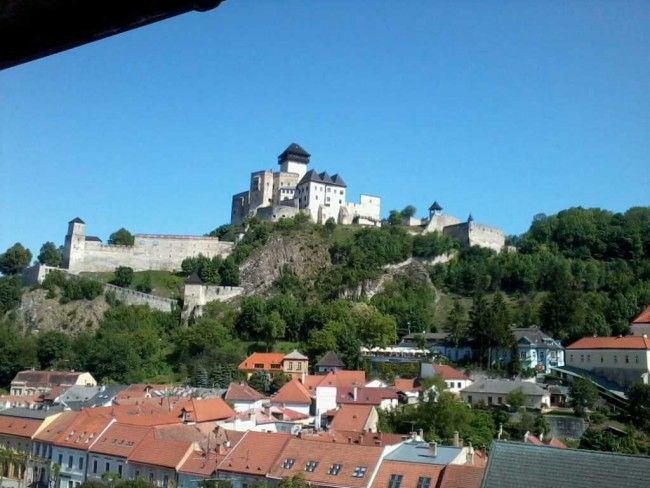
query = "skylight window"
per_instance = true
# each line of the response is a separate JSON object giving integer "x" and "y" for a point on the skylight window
{"x": 334, "y": 469}
{"x": 311, "y": 466}
{"x": 423, "y": 482}
{"x": 288, "y": 463}
{"x": 359, "y": 471}
{"x": 395, "y": 481}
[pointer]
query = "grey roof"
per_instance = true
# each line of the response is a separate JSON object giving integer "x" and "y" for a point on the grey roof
{"x": 330, "y": 359}
{"x": 534, "y": 337}
{"x": 492, "y": 385}
{"x": 105, "y": 394}
{"x": 79, "y": 393}
{"x": 295, "y": 153}
{"x": 295, "y": 355}
{"x": 435, "y": 206}
{"x": 76, "y": 220}
{"x": 194, "y": 279}
{"x": 32, "y": 413}
{"x": 93, "y": 238}
{"x": 420, "y": 452}
{"x": 323, "y": 178}
{"x": 512, "y": 464}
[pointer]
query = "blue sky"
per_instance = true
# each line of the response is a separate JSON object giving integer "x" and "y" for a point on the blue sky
{"x": 502, "y": 109}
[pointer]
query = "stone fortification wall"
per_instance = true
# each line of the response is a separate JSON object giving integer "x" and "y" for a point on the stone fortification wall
{"x": 34, "y": 275}
{"x": 133, "y": 297}
{"x": 459, "y": 232}
{"x": 439, "y": 222}
{"x": 276, "y": 212}
{"x": 196, "y": 296}
{"x": 486, "y": 236}
{"x": 369, "y": 207}
{"x": 149, "y": 252}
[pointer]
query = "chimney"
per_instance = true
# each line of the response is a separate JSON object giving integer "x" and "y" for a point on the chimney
{"x": 541, "y": 436}
{"x": 456, "y": 439}
{"x": 500, "y": 433}
{"x": 470, "y": 454}
{"x": 433, "y": 447}
{"x": 267, "y": 409}
{"x": 421, "y": 434}
{"x": 414, "y": 436}
{"x": 354, "y": 394}
{"x": 526, "y": 436}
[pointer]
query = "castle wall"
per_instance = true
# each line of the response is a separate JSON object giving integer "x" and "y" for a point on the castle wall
{"x": 369, "y": 207}
{"x": 196, "y": 296}
{"x": 284, "y": 186}
{"x": 149, "y": 252}
{"x": 459, "y": 232}
{"x": 276, "y": 212}
{"x": 439, "y": 222}
{"x": 134, "y": 297}
{"x": 239, "y": 208}
{"x": 261, "y": 190}
{"x": 485, "y": 236}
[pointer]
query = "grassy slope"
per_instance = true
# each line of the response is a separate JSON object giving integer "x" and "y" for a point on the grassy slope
{"x": 164, "y": 283}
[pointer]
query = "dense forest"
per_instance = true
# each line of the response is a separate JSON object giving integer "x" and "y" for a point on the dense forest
{"x": 576, "y": 273}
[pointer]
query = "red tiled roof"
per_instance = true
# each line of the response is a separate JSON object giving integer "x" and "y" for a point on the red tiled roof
{"x": 410, "y": 473}
{"x": 255, "y": 453}
{"x": 292, "y": 392}
{"x": 85, "y": 429}
{"x": 556, "y": 443}
{"x": 208, "y": 410}
{"x": 19, "y": 427}
{"x": 161, "y": 452}
{"x": 351, "y": 418}
{"x": 203, "y": 462}
{"x": 364, "y": 395}
{"x": 139, "y": 390}
{"x": 266, "y": 359}
{"x": 405, "y": 384}
{"x": 629, "y": 342}
{"x": 242, "y": 392}
{"x": 46, "y": 378}
{"x": 446, "y": 372}
{"x": 119, "y": 440}
{"x": 462, "y": 476}
{"x": 364, "y": 439}
{"x": 56, "y": 427}
{"x": 349, "y": 456}
{"x": 643, "y": 317}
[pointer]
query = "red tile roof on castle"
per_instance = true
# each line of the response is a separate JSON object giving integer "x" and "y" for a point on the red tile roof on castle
{"x": 348, "y": 456}
{"x": 265, "y": 361}
{"x": 19, "y": 427}
{"x": 292, "y": 392}
{"x": 629, "y": 342}
{"x": 446, "y": 372}
{"x": 255, "y": 453}
{"x": 352, "y": 418}
{"x": 643, "y": 317}
{"x": 410, "y": 473}
{"x": 120, "y": 440}
{"x": 242, "y": 392}
{"x": 462, "y": 476}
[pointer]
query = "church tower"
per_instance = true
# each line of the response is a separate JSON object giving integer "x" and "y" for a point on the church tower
{"x": 294, "y": 159}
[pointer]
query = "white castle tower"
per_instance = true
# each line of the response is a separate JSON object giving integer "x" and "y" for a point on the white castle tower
{"x": 75, "y": 244}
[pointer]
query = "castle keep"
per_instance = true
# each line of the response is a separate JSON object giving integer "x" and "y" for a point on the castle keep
{"x": 82, "y": 253}
{"x": 294, "y": 189}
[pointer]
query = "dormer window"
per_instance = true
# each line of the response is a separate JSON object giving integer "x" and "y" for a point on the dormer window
{"x": 311, "y": 466}
{"x": 334, "y": 469}
{"x": 288, "y": 463}
{"x": 359, "y": 471}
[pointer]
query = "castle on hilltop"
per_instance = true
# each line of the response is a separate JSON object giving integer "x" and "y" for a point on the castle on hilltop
{"x": 294, "y": 189}
{"x": 82, "y": 253}
{"x": 467, "y": 233}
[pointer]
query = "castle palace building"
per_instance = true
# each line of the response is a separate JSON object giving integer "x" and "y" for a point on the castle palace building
{"x": 294, "y": 189}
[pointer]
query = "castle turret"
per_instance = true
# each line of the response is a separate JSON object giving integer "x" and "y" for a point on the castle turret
{"x": 435, "y": 209}
{"x": 294, "y": 159}
{"x": 470, "y": 219}
{"x": 75, "y": 244}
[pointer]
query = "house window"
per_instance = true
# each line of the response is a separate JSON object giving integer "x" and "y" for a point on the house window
{"x": 119, "y": 470}
{"x": 108, "y": 467}
{"x": 616, "y": 359}
{"x": 359, "y": 471}
{"x": 288, "y": 463}
{"x": 137, "y": 473}
{"x": 636, "y": 359}
{"x": 489, "y": 400}
{"x": 469, "y": 398}
{"x": 334, "y": 469}
{"x": 166, "y": 480}
{"x": 582, "y": 358}
{"x": 150, "y": 477}
{"x": 588, "y": 358}
{"x": 258, "y": 366}
{"x": 60, "y": 463}
{"x": 500, "y": 400}
{"x": 311, "y": 466}
{"x": 81, "y": 463}
{"x": 601, "y": 358}
{"x": 395, "y": 481}
{"x": 69, "y": 462}
{"x": 423, "y": 482}
{"x": 571, "y": 357}
{"x": 458, "y": 385}
{"x": 95, "y": 466}
{"x": 627, "y": 359}
{"x": 70, "y": 484}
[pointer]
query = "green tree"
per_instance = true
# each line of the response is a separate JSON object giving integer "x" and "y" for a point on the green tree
{"x": 226, "y": 232}
{"x": 53, "y": 347}
{"x": 49, "y": 255}
{"x": 123, "y": 276}
{"x": 516, "y": 398}
{"x": 260, "y": 382}
{"x": 145, "y": 284}
{"x": 639, "y": 405}
{"x": 584, "y": 396}
{"x": 295, "y": 481}
{"x": 17, "y": 352}
{"x": 121, "y": 237}
{"x": 15, "y": 259}
{"x": 373, "y": 328}
{"x": 229, "y": 272}
{"x": 10, "y": 293}
{"x": 408, "y": 211}
{"x": 456, "y": 325}
{"x": 273, "y": 328}
{"x": 395, "y": 218}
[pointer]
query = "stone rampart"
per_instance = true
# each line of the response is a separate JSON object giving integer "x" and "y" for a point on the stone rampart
{"x": 34, "y": 275}
{"x": 134, "y": 297}
{"x": 196, "y": 296}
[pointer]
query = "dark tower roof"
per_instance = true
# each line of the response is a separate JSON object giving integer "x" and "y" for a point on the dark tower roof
{"x": 194, "y": 279}
{"x": 330, "y": 359}
{"x": 323, "y": 177}
{"x": 470, "y": 218}
{"x": 435, "y": 206}
{"x": 294, "y": 153}
{"x": 76, "y": 220}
